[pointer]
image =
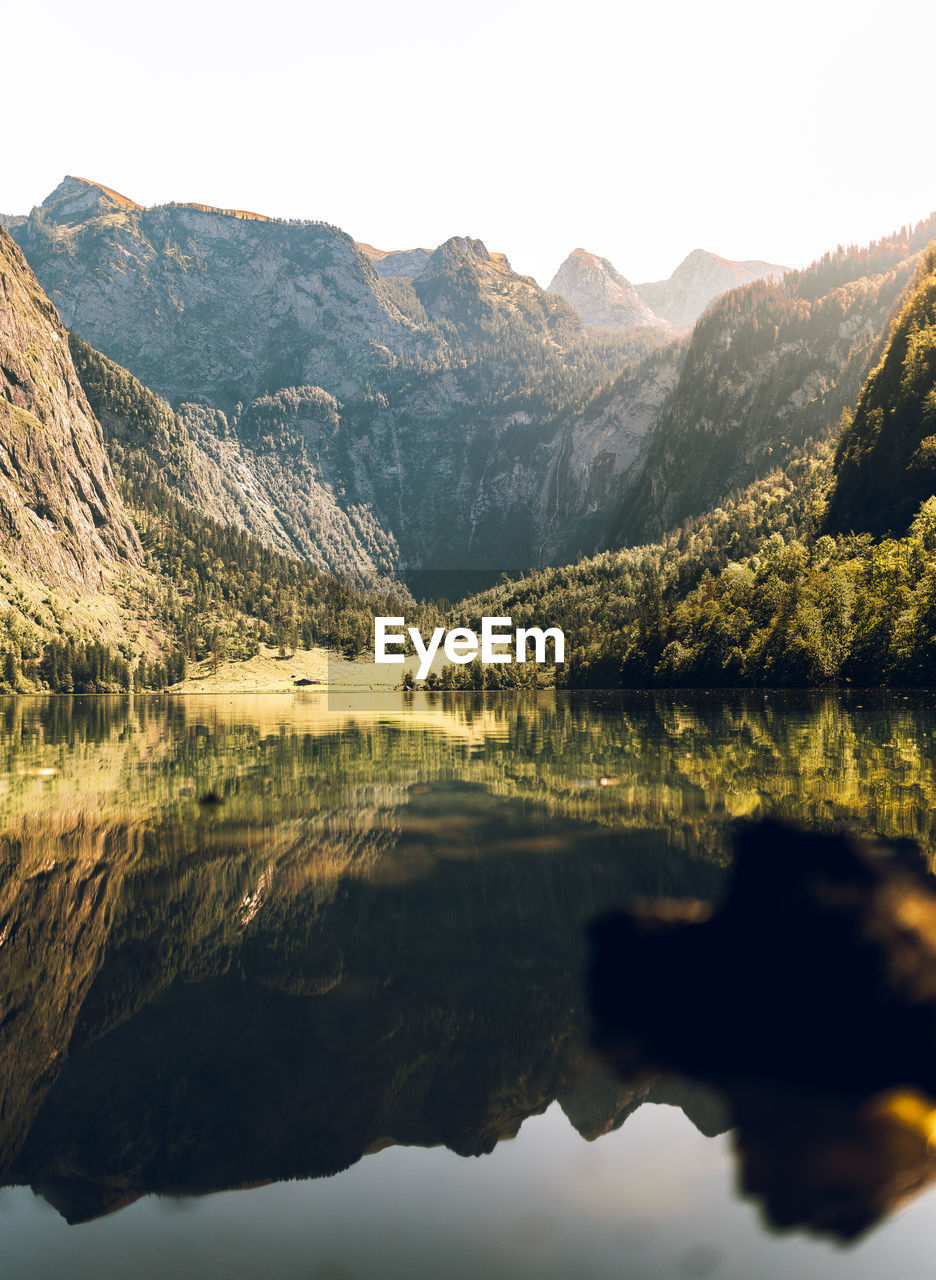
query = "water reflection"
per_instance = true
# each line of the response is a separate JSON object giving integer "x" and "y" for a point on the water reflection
{"x": 376, "y": 935}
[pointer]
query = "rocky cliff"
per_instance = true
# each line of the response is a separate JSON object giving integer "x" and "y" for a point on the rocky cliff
{"x": 61, "y": 517}
{"x": 396, "y": 262}
{"x": 599, "y": 293}
{"x": 450, "y": 415}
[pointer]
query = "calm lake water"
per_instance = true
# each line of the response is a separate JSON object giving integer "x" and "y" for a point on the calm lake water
{"x": 292, "y": 986}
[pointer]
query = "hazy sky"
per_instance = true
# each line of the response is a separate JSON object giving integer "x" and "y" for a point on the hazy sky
{"x": 639, "y": 131}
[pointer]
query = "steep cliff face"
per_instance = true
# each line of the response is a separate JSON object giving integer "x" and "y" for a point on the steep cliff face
{"x": 599, "y": 293}
{"x": 267, "y": 473}
{"x": 61, "y": 518}
{"x": 700, "y": 279}
{"x": 452, "y": 415}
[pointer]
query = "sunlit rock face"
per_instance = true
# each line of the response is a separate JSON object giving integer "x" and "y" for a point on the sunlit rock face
{"x": 396, "y": 262}
{"x": 599, "y": 293}
{"x": 204, "y": 303}
{"x": 61, "y": 517}
{"x": 602, "y": 296}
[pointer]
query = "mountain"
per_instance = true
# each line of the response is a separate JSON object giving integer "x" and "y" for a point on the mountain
{"x": 204, "y": 303}
{"x": 118, "y": 559}
{"x": 769, "y": 367}
{"x": 598, "y": 293}
{"x": 242, "y": 479}
{"x": 396, "y": 262}
{"x": 458, "y": 418}
{"x": 63, "y": 521}
{"x": 698, "y": 280}
{"x": 440, "y": 420}
{"x": 885, "y": 465}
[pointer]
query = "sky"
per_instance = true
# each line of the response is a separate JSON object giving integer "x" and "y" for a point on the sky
{"x": 637, "y": 131}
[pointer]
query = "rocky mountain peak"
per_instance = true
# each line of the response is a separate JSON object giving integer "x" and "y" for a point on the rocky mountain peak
{"x": 599, "y": 293}
{"x": 76, "y": 199}
{"x": 291, "y": 304}
{"x": 699, "y": 279}
{"x": 478, "y": 290}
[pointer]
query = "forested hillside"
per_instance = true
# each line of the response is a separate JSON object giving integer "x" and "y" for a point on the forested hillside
{"x": 885, "y": 464}
{"x": 774, "y": 587}
{"x": 769, "y": 368}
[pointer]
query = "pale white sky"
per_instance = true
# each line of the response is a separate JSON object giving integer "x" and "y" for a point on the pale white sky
{"x": 639, "y": 131}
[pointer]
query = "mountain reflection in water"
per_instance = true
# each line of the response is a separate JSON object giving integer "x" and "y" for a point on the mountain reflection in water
{"x": 377, "y": 935}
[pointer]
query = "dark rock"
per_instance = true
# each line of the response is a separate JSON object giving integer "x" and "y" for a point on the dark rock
{"x": 818, "y": 968}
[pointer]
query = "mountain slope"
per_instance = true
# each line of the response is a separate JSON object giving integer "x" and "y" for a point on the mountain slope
{"x": 769, "y": 366}
{"x": 599, "y": 293}
{"x": 698, "y": 280}
{"x": 396, "y": 262}
{"x": 61, "y": 517}
{"x": 428, "y": 420}
{"x": 885, "y": 465}
{"x": 241, "y": 478}
{"x": 214, "y": 304}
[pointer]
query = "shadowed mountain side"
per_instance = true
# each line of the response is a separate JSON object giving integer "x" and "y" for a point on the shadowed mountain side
{"x": 885, "y": 464}
{"x": 278, "y": 492}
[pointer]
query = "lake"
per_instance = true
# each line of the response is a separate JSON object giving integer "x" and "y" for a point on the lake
{"x": 293, "y": 985}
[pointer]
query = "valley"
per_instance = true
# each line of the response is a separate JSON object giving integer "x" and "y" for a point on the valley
{"x": 430, "y": 421}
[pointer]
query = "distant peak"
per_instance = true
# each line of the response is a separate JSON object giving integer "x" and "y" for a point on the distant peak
{"x": 598, "y": 292}
{"x": 124, "y": 201}
{"x": 700, "y": 278}
{"x": 378, "y": 255}
{"x": 474, "y": 250}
